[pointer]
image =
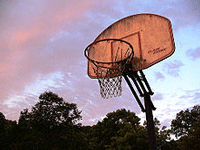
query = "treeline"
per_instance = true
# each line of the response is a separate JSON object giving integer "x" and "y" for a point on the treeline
{"x": 54, "y": 124}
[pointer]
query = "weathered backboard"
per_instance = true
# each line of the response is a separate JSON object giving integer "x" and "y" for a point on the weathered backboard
{"x": 150, "y": 36}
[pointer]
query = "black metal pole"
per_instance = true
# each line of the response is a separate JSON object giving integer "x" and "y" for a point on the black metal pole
{"x": 148, "y": 104}
{"x": 150, "y": 123}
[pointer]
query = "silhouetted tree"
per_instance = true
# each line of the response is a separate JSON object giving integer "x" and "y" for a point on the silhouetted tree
{"x": 7, "y": 132}
{"x": 185, "y": 121}
{"x": 119, "y": 130}
{"x": 186, "y": 126}
{"x": 2, "y": 131}
{"x": 52, "y": 123}
{"x": 163, "y": 135}
{"x": 2, "y": 122}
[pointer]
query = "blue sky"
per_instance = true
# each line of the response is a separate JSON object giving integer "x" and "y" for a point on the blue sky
{"x": 42, "y": 44}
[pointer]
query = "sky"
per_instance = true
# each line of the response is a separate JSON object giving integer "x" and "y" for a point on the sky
{"x": 42, "y": 44}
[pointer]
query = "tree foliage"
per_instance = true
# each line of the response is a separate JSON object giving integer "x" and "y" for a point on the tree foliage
{"x": 119, "y": 130}
{"x": 186, "y": 126}
{"x": 53, "y": 124}
{"x": 184, "y": 121}
{"x": 2, "y": 122}
{"x": 51, "y": 111}
{"x": 7, "y": 132}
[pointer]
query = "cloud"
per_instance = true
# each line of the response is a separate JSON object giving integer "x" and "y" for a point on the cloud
{"x": 41, "y": 39}
{"x": 29, "y": 55}
{"x": 193, "y": 53}
{"x": 25, "y": 37}
{"x": 158, "y": 96}
{"x": 159, "y": 76}
{"x": 183, "y": 13}
{"x": 192, "y": 96}
{"x": 173, "y": 68}
{"x": 42, "y": 45}
{"x": 192, "y": 6}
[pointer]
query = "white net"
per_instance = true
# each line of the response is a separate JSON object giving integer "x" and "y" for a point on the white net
{"x": 110, "y": 79}
{"x": 109, "y": 73}
{"x": 109, "y": 86}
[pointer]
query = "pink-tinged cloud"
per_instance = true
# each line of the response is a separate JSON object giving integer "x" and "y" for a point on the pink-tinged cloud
{"x": 26, "y": 48}
{"x": 42, "y": 45}
{"x": 193, "y": 53}
{"x": 24, "y": 35}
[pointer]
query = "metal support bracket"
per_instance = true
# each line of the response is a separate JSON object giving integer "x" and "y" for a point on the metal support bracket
{"x": 134, "y": 93}
{"x": 141, "y": 84}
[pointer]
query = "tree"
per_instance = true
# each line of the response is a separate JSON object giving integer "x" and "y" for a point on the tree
{"x": 162, "y": 136}
{"x": 7, "y": 132}
{"x": 2, "y": 122}
{"x": 186, "y": 126}
{"x": 192, "y": 140}
{"x": 195, "y": 133}
{"x": 2, "y": 130}
{"x": 51, "y": 123}
{"x": 185, "y": 121}
{"x": 52, "y": 111}
{"x": 119, "y": 130}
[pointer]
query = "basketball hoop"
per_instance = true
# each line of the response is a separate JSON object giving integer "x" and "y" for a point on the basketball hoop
{"x": 109, "y": 69}
{"x": 110, "y": 57}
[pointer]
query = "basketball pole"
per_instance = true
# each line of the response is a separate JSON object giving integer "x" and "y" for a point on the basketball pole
{"x": 150, "y": 123}
{"x": 149, "y": 107}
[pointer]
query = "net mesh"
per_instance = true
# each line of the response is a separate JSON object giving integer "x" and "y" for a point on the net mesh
{"x": 109, "y": 73}
{"x": 109, "y": 86}
{"x": 110, "y": 78}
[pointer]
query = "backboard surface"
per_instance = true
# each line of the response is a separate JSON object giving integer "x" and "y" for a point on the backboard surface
{"x": 150, "y": 36}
